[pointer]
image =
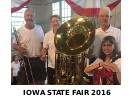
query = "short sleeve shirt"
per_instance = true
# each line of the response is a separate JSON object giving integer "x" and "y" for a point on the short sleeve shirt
{"x": 31, "y": 40}
{"x": 48, "y": 44}
{"x": 100, "y": 34}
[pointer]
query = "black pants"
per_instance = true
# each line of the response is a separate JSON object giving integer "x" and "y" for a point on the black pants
{"x": 34, "y": 70}
{"x": 14, "y": 82}
{"x": 51, "y": 73}
{"x": 92, "y": 60}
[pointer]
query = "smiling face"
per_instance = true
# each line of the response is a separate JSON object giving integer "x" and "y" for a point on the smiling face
{"x": 104, "y": 17}
{"x": 107, "y": 48}
{"x": 16, "y": 58}
{"x": 55, "y": 23}
{"x": 29, "y": 17}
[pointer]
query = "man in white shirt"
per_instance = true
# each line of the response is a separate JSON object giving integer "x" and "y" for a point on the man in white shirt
{"x": 29, "y": 44}
{"x": 105, "y": 30}
{"x": 48, "y": 45}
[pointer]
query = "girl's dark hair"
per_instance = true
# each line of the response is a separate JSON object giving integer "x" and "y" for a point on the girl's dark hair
{"x": 13, "y": 58}
{"x": 111, "y": 39}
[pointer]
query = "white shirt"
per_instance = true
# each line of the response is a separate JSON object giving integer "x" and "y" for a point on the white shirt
{"x": 15, "y": 67}
{"x": 100, "y": 34}
{"x": 31, "y": 40}
{"x": 48, "y": 43}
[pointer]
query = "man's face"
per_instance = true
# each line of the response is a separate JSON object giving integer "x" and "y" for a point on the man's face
{"x": 29, "y": 17}
{"x": 55, "y": 23}
{"x": 104, "y": 18}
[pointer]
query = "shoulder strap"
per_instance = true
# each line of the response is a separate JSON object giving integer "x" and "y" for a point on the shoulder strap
{"x": 114, "y": 59}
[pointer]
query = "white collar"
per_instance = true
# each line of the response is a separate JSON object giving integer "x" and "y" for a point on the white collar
{"x": 110, "y": 29}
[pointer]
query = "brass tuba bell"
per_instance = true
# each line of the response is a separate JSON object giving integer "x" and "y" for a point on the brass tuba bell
{"x": 71, "y": 40}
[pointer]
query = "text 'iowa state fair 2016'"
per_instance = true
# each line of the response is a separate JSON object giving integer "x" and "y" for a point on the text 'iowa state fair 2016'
{"x": 67, "y": 92}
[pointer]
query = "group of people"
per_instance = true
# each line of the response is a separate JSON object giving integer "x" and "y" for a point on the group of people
{"x": 105, "y": 48}
{"x": 33, "y": 47}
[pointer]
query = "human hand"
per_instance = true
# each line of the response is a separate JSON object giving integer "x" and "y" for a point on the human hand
{"x": 21, "y": 50}
{"x": 43, "y": 58}
{"x": 89, "y": 56}
{"x": 110, "y": 66}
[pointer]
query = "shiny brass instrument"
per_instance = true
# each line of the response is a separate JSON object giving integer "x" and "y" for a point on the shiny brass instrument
{"x": 23, "y": 64}
{"x": 71, "y": 40}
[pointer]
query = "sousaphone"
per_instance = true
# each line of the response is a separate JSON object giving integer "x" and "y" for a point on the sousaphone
{"x": 71, "y": 40}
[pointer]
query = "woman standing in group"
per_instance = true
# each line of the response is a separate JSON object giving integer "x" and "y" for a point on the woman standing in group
{"x": 49, "y": 46}
{"x": 15, "y": 67}
{"x": 106, "y": 68}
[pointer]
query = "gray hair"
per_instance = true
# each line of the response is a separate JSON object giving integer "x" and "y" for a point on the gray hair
{"x": 57, "y": 16}
{"x": 105, "y": 8}
{"x": 31, "y": 11}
